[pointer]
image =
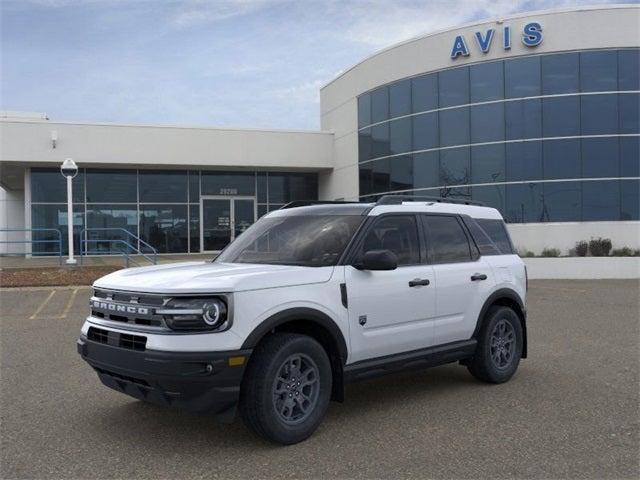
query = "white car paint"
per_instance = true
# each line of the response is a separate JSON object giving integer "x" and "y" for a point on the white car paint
{"x": 399, "y": 318}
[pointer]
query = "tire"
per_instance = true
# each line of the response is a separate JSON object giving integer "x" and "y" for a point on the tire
{"x": 274, "y": 401}
{"x": 497, "y": 363}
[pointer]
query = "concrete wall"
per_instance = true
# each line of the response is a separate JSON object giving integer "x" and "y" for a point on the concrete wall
{"x": 538, "y": 236}
{"x": 29, "y": 142}
{"x": 11, "y": 217}
{"x": 585, "y": 268}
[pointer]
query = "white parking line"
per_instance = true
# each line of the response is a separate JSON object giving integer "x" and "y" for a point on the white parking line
{"x": 42, "y": 305}
{"x": 69, "y": 303}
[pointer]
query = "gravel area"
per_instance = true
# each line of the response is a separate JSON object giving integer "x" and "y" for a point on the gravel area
{"x": 52, "y": 276}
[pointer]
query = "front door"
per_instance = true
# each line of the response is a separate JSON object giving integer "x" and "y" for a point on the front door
{"x": 222, "y": 219}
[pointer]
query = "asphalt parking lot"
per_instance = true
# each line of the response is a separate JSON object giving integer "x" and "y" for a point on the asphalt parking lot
{"x": 571, "y": 411}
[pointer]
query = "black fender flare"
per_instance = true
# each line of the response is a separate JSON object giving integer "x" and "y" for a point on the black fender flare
{"x": 511, "y": 297}
{"x": 299, "y": 313}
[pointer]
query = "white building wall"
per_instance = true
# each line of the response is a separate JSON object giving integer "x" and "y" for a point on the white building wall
{"x": 11, "y": 217}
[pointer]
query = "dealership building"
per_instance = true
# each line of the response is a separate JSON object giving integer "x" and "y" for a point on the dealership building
{"x": 536, "y": 115}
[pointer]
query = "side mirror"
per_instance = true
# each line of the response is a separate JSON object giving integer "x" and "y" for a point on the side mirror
{"x": 378, "y": 260}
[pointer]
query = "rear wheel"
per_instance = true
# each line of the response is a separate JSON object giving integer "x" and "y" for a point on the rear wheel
{"x": 499, "y": 346}
{"x": 287, "y": 388}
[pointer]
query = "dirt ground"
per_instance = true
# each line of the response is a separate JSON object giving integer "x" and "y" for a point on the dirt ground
{"x": 52, "y": 276}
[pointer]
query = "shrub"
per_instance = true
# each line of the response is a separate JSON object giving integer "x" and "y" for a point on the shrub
{"x": 550, "y": 252}
{"x": 622, "y": 252}
{"x": 582, "y": 248}
{"x": 523, "y": 252}
{"x": 600, "y": 247}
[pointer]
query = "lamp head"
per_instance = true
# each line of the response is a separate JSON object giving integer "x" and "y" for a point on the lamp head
{"x": 69, "y": 169}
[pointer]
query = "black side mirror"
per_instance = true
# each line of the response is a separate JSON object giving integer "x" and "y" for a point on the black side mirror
{"x": 378, "y": 260}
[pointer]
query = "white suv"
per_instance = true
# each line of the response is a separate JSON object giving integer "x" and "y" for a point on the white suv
{"x": 307, "y": 299}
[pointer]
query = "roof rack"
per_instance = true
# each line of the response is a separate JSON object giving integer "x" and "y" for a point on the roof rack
{"x": 398, "y": 199}
{"x": 306, "y": 203}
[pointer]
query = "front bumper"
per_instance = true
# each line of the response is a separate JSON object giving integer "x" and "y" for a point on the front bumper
{"x": 195, "y": 381}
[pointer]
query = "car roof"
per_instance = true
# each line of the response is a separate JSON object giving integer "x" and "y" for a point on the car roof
{"x": 373, "y": 209}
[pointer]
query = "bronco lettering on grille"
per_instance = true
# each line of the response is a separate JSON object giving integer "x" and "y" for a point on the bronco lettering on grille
{"x": 116, "y": 307}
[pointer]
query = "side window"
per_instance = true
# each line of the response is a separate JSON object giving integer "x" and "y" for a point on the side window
{"x": 449, "y": 243}
{"x": 497, "y": 232}
{"x": 398, "y": 233}
{"x": 484, "y": 243}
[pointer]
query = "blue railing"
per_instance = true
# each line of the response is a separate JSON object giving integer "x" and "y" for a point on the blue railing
{"x": 127, "y": 246}
{"x": 31, "y": 241}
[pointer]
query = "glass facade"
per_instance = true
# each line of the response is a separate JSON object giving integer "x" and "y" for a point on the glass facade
{"x": 545, "y": 138}
{"x": 161, "y": 207}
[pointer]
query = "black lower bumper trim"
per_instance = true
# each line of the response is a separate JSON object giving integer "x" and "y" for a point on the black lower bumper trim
{"x": 195, "y": 381}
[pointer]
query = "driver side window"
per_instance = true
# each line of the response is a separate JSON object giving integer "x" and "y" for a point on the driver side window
{"x": 397, "y": 233}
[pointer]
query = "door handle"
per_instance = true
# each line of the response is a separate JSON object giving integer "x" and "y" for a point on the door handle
{"x": 419, "y": 282}
{"x": 478, "y": 276}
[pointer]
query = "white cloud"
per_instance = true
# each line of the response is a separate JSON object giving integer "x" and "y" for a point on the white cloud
{"x": 197, "y": 12}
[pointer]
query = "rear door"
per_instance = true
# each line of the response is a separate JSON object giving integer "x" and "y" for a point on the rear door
{"x": 463, "y": 279}
{"x": 391, "y": 311}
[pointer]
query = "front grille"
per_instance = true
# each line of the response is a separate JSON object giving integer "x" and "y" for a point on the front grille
{"x": 128, "y": 308}
{"x": 116, "y": 339}
{"x": 126, "y": 378}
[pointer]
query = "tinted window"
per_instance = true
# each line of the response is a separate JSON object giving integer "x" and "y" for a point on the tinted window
{"x": 400, "y": 99}
{"x": 381, "y": 175}
{"x": 380, "y": 140}
{"x": 562, "y": 159}
{"x": 629, "y": 70}
{"x": 630, "y": 200}
{"x": 222, "y": 183}
{"x": 194, "y": 186}
{"x": 560, "y": 73}
{"x": 163, "y": 186}
{"x": 261, "y": 187}
{"x": 599, "y": 114}
{"x": 487, "y": 82}
{"x": 600, "y": 200}
{"x": 364, "y": 110}
{"x": 365, "y": 145}
{"x": 524, "y": 203}
{"x": 562, "y": 201}
{"x": 165, "y": 227}
{"x": 629, "y": 113}
{"x": 598, "y": 71}
{"x": 53, "y": 216}
{"x": 454, "y": 166}
{"x": 397, "y": 233}
{"x": 487, "y": 123}
{"x": 400, "y": 135}
{"x": 482, "y": 240}
{"x": 630, "y": 157}
{"x": 497, "y": 231}
{"x": 487, "y": 164}
{"x": 379, "y": 105}
{"x": 561, "y": 116}
{"x": 288, "y": 187}
{"x": 401, "y": 172}
{"x": 524, "y": 161}
{"x": 453, "y": 86}
{"x": 112, "y": 186}
{"x": 490, "y": 195}
{"x": 365, "y": 178}
{"x": 194, "y": 227}
{"x": 425, "y": 131}
{"x": 425, "y": 169}
{"x": 600, "y": 157}
{"x": 48, "y": 185}
{"x": 454, "y": 127}
{"x": 523, "y": 119}
{"x": 424, "y": 93}
{"x": 522, "y": 77}
{"x": 447, "y": 241}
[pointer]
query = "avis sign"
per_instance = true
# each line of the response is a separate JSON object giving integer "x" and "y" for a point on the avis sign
{"x": 531, "y": 37}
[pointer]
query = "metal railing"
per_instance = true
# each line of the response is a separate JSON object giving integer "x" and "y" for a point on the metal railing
{"x": 128, "y": 246}
{"x": 31, "y": 241}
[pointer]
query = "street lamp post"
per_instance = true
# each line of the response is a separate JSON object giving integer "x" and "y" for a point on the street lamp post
{"x": 69, "y": 170}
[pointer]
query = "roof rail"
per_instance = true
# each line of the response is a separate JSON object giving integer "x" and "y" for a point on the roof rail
{"x": 306, "y": 203}
{"x": 398, "y": 199}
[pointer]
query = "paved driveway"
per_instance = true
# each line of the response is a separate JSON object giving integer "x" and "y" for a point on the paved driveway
{"x": 572, "y": 410}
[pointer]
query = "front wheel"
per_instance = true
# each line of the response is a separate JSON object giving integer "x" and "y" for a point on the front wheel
{"x": 499, "y": 346}
{"x": 287, "y": 388}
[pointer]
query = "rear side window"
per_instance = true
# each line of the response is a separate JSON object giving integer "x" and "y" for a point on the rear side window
{"x": 446, "y": 238}
{"x": 497, "y": 232}
{"x": 484, "y": 243}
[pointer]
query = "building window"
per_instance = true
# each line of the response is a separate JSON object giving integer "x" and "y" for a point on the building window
{"x": 112, "y": 186}
{"x": 163, "y": 186}
{"x": 560, "y": 73}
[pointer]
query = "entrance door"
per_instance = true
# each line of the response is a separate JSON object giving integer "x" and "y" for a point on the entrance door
{"x": 222, "y": 219}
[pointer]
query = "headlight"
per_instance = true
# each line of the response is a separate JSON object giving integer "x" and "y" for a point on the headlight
{"x": 196, "y": 314}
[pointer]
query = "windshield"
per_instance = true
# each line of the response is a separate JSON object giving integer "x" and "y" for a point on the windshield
{"x": 305, "y": 240}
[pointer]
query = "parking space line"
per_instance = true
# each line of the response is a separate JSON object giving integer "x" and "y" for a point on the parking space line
{"x": 42, "y": 305}
{"x": 69, "y": 303}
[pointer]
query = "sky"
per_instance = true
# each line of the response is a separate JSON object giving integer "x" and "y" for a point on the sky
{"x": 227, "y": 63}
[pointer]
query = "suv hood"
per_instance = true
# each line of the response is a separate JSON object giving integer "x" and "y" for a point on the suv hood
{"x": 207, "y": 277}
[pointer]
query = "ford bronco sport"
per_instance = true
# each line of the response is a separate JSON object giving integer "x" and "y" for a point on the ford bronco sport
{"x": 307, "y": 299}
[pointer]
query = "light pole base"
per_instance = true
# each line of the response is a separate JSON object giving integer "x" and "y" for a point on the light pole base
{"x": 71, "y": 261}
